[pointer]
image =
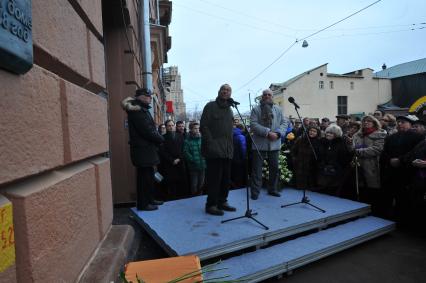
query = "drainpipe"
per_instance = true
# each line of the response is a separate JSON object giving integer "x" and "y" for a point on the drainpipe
{"x": 145, "y": 43}
{"x": 158, "y": 12}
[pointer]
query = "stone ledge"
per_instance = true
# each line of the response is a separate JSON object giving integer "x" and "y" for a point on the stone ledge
{"x": 110, "y": 258}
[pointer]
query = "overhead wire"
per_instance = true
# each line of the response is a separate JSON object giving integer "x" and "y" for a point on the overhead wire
{"x": 304, "y": 38}
{"x": 251, "y": 16}
{"x": 370, "y": 33}
{"x": 351, "y": 15}
{"x": 292, "y": 28}
{"x": 232, "y": 21}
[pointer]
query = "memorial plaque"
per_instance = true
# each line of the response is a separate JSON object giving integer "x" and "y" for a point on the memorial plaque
{"x": 16, "y": 40}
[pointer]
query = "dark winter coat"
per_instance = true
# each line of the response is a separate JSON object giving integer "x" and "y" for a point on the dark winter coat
{"x": 333, "y": 160}
{"x": 192, "y": 153}
{"x": 368, "y": 149}
{"x": 417, "y": 183}
{"x": 144, "y": 138}
{"x": 240, "y": 146}
{"x": 304, "y": 162}
{"x": 397, "y": 146}
{"x": 216, "y": 126}
{"x": 170, "y": 150}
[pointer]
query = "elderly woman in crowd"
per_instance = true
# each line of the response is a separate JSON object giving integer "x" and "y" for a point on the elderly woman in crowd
{"x": 368, "y": 145}
{"x": 333, "y": 160}
{"x": 388, "y": 122}
{"x": 304, "y": 162}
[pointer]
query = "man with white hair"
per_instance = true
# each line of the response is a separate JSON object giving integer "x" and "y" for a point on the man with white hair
{"x": 267, "y": 124}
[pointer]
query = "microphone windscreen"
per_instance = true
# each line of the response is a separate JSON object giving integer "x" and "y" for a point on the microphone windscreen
{"x": 291, "y": 99}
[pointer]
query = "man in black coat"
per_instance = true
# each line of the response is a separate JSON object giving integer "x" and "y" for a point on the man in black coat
{"x": 395, "y": 174}
{"x": 173, "y": 163}
{"x": 144, "y": 142}
{"x": 217, "y": 147}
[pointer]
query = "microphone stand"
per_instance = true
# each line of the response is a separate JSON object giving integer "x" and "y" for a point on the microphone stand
{"x": 305, "y": 199}
{"x": 248, "y": 214}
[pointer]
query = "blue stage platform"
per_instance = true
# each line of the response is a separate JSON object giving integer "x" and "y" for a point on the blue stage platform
{"x": 182, "y": 227}
{"x": 266, "y": 263}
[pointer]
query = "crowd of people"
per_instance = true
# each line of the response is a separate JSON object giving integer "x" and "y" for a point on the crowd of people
{"x": 378, "y": 159}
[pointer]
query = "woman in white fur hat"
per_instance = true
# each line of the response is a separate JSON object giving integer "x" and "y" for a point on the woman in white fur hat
{"x": 333, "y": 160}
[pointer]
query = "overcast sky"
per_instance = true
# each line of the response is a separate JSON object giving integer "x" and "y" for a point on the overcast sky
{"x": 232, "y": 41}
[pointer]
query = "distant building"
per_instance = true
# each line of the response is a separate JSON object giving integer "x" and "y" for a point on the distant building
{"x": 174, "y": 94}
{"x": 322, "y": 94}
{"x": 408, "y": 85}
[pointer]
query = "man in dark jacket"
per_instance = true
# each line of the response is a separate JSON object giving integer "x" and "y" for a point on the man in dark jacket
{"x": 172, "y": 161}
{"x": 217, "y": 147}
{"x": 144, "y": 142}
{"x": 342, "y": 120}
{"x": 396, "y": 174}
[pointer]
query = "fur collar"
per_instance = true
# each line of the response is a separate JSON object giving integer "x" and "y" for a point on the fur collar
{"x": 130, "y": 104}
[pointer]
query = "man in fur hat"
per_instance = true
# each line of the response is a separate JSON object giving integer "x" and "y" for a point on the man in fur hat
{"x": 144, "y": 143}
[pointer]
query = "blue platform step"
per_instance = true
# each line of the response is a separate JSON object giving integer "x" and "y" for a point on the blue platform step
{"x": 281, "y": 258}
{"x": 305, "y": 234}
{"x": 182, "y": 227}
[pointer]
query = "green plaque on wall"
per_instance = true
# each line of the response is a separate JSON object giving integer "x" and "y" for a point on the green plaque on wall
{"x": 16, "y": 40}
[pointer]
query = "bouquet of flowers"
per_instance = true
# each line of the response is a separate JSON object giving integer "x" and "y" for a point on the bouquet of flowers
{"x": 284, "y": 173}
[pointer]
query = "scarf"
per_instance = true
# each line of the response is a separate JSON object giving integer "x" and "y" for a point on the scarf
{"x": 266, "y": 114}
{"x": 368, "y": 131}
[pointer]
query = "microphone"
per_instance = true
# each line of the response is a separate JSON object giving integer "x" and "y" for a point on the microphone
{"x": 232, "y": 102}
{"x": 291, "y": 100}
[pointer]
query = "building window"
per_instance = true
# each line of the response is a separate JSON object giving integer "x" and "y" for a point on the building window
{"x": 321, "y": 84}
{"x": 331, "y": 84}
{"x": 342, "y": 105}
{"x": 352, "y": 85}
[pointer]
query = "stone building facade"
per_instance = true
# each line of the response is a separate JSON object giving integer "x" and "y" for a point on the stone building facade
{"x": 323, "y": 94}
{"x": 174, "y": 93}
{"x": 62, "y": 135}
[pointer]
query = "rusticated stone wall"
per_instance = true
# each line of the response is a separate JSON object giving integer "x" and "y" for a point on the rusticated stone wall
{"x": 53, "y": 140}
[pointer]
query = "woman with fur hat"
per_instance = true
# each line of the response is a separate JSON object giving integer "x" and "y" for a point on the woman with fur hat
{"x": 333, "y": 160}
{"x": 304, "y": 162}
{"x": 368, "y": 145}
